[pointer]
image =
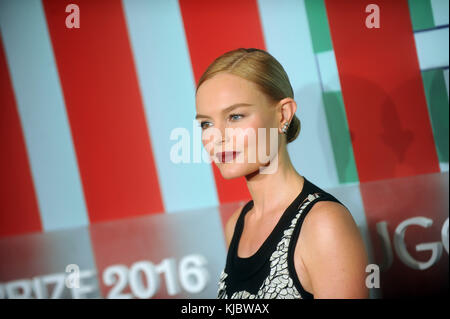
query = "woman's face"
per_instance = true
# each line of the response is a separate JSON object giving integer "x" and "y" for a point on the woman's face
{"x": 230, "y": 110}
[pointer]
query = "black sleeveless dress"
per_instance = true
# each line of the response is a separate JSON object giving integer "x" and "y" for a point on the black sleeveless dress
{"x": 270, "y": 272}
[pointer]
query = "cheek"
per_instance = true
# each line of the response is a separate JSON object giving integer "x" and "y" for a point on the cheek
{"x": 250, "y": 138}
{"x": 207, "y": 142}
{"x": 210, "y": 147}
{"x": 209, "y": 138}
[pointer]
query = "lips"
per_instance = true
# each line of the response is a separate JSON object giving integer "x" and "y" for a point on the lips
{"x": 226, "y": 156}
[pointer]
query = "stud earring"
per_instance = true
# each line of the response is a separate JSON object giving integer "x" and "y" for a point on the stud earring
{"x": 285, "y": 127}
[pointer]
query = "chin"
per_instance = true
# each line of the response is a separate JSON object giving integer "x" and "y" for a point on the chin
{"x": 230, "y": 171}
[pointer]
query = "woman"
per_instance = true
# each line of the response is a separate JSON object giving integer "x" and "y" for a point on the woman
{"x": 268, "y": 257}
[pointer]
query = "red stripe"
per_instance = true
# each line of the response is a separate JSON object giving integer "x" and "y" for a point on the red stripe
{"x": 105, "y": 110}
{"x": 382, "y": 89}
{"x": 213, "y": 28}
{"x": 19, "y": 212}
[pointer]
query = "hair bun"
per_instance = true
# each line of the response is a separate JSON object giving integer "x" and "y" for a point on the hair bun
{"x": 294, "y": 129}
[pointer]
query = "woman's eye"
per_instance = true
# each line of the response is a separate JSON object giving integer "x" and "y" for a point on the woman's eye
{"x": 235, "y": 117}
{"x": 204, "y": 125}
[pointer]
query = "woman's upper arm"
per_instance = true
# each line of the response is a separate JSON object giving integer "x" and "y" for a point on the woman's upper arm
{"x": 334, "y": 252}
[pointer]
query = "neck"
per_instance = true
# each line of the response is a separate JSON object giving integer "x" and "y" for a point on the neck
{"x": 272, "y": 193}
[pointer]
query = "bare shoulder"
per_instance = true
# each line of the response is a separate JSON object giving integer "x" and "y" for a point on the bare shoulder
{"x": 231, "y": 224}
{"x": 329, "y": 222}
{"x": 334, "y": 252}
{"x": 326, "y": 216}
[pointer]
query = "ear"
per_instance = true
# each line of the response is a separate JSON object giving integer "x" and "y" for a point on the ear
{"x": 287, "y": 108}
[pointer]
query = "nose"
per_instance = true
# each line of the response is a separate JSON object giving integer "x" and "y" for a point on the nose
{"x": 222, "y": 138}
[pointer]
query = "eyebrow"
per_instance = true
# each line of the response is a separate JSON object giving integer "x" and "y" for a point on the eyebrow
{"x": 225, "y": 110}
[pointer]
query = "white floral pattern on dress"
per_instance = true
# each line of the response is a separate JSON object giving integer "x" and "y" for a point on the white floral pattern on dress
{"x": 278, "y": 284}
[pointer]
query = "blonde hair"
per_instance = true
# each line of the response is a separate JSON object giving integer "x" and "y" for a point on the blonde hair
{"x": 261, "y": 68}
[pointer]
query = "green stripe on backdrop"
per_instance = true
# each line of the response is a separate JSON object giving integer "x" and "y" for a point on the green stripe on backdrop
{"x": 437, "y": 101}
{"x": 318, "y": 25}
{"x": 333, "y": 101}
{"x": 421, "y": 14}
{"x": 340, "y": 137}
